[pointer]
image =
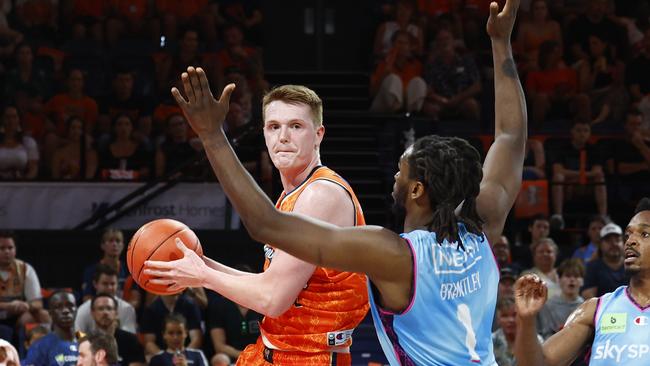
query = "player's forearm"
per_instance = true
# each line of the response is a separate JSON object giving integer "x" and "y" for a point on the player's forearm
{"x": 527, "y": 350}
{"x": 223, "y": 268}
{"x": 248, "y": 291}
{"x": 250, "y": 202}
{"x": 510, "y": 105}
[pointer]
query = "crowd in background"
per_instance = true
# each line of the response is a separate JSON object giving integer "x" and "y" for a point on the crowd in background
{"x": 85, "y": 91}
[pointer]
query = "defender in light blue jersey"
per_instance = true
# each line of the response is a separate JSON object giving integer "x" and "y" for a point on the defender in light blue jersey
{"x": 454, "y": 293}
{"x": 618, "y": 322}
{"x": 434, "y": 288}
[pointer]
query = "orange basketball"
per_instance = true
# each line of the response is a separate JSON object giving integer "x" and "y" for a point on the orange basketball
{"x": 156, "y": 241}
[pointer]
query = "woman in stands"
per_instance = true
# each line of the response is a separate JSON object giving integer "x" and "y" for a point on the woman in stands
{"x": 18, "y": 153}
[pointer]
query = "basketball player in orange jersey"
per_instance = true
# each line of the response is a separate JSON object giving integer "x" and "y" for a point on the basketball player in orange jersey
{"x": 310, "y": 312}
{"x": 433, "y": 288}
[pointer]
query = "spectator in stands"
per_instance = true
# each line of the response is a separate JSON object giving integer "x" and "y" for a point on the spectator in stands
{"x": 125, "y": 158}
{"x": 601, "y": 75}
{"x": 9, "y": 37}
{"x": 537, "y": 30}
{"x": 37, "y": 19}
{"x": 111, "y": 245}
{"x": 606, "y": 273}
{"x": 58, "y": 348}
{"x": 97, "y": 349}
{"x": 397, "y": 84}
{"x": 105, "y": 314}
{"x": 247, "y": 139}
{"x": 404, "y": 14}
{"x": 24, "y": 78}
{"x": 507, "y": 278}
{"x": 501, "y": 250}
{"x": 171, "y": 15}
{"x": 18, "y": 152}
{"x": 588, "y": 252}
{"x": 105, "y": 282}
{"x": 594, "y": 22}
{"x": 453, "y": 81}
{"x": 34, "y": 334}
{"x": 503, "y": 339}
{"x": 544, "y": 257}
{"x": 247, "y": 59}
{"x": 8, "y": 354}
{"x": 632, "y": 159}
{"x": 535, "y": 160}
{"x": 76, "y": 159}
{"x": 577, "y": 164}
{"x": 247, "y": 14}
{"x": 638, "y": 79}
{"x": 20, "y": 289}
{"x": 73, "y": 102}
{"x": 178, "y": 148}
{"x": 553, "y": 88}
{"x": 127, "y": 17}
{"x": 175, "y": 352}
{"x": 232, "y": 326}
{"x": 557, "y": 309}
{"x": 153, "y": 321}
{"x": 220, "y": 359}
{"x": 123, "y": 100}
{"x": 538, "y": 228}
{"x": 187, "y": 54}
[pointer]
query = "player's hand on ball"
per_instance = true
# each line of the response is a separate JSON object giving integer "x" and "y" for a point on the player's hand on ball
{"x": 179, "y": 274}
{"x": 204, "y": 113}
{"x": 530, "y": 295}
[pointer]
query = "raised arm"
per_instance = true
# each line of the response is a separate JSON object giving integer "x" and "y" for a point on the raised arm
{"x": 503, "y": 164}
{"x": 563, "y": 347}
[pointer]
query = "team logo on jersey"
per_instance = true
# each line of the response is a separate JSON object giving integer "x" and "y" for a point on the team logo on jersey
{"x": 269, "y": 252}
{"x": 339, "y": 338}
{"x": 62, "y": 359}
{"x": 613, "y": 323}
{"x": 641, "y": 320}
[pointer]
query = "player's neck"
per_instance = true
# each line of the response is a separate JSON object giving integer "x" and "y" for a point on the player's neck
{"x": 292, "y": 178}
{"x": 640, "y": 289}
{"x": 418, "y": 220}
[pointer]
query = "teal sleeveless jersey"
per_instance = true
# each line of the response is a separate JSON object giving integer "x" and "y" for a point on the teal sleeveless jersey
{"x": 449, "y": 318}
{"x": 622, "y": 328}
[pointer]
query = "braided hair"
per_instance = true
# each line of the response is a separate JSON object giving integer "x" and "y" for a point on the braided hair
{"x": 450, "y": 170}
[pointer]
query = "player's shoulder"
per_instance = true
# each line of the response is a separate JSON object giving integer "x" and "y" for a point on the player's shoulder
{"x": 585, "y": 313}
{"x": 323, "y": 191}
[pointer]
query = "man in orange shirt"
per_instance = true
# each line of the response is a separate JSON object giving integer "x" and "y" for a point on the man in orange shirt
{"x": 73, "y": 103}
{"x": 310, "y": 312}
{"x": 397, "y": 81}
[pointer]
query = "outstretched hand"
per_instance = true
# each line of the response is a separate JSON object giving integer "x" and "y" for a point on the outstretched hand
{"x": 204, "y": 113}
{"x": 500, "y": 24}
{"x": 188, "y": 271}
{"x": 530, "y": 296}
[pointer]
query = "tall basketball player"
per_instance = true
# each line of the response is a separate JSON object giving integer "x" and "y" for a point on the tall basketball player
{"x": 433, "y": 288}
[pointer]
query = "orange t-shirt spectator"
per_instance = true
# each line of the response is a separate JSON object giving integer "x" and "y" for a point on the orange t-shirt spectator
{"x": 72, "y": 103}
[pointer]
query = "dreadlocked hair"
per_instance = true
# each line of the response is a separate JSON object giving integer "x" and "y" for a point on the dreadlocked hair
{"x": 450, "y": 170}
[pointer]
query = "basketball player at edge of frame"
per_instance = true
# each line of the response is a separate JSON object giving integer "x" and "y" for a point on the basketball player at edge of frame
{"x": 615, "y": 324}
{"x": 433, "y": 288}
{"x": 310, "y": 312}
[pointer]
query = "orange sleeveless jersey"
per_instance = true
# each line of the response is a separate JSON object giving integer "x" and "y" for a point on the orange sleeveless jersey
{"x": 332, "y": 303}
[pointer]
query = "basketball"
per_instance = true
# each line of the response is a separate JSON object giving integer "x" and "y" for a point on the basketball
{"x": 156, "y": 240}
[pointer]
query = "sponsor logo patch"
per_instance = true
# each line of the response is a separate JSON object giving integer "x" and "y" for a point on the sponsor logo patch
{"x": 613, "y": 323}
